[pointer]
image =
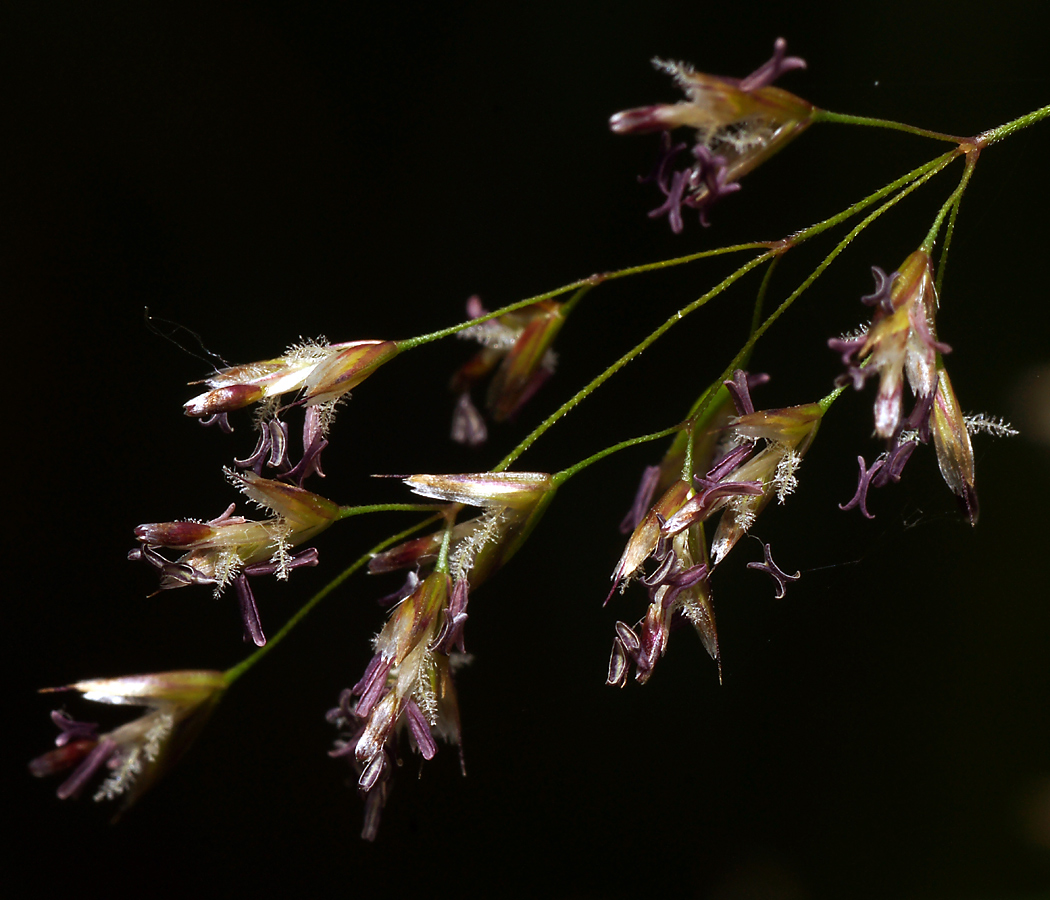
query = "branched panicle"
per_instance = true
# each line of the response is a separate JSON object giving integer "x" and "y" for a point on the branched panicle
{"x": 726, "y": 463}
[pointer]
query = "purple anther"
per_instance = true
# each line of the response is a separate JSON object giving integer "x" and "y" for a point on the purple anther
{"x": 672, "y": 206}
{"x": 709, "y": 169}
{"x": 343, "y": 714}
{"x": 402, "y": 593}
{"x": 662, "y": 572}
{"x": 99, "y": 756}
{"x": 727, "y": 464}
{"x": 172, "y": 574}
{"x": 893, "y": 463}
{"x": 713, "y": 492}
{"x": 663, "y": 542}
{"x": 249, "y": 612}
{"x": 468, "y": 426}
{"x": 628, "y": 637}
{"x": 371, "y": 773}
{"x": 72, "y": 730}
{"x": 278, "y": 431}
{"x": 679, "y": 582}
{"x": 643, "y": 499}
{"x": 475, "y": 309}
{"x": 661, "y": 173}
{"x": 219, "y": 419}
{"x": 860, "y": 498}
{"x": 772, "y": 69}
{"x": 619, "y": 665}
{"x": 849, "y": 348}
{"x": 308, "y": 557}
{"x": 739, "y": 392}
{"x": 450, "y": 637}
{"x": 258, "y": 455}
{"x": 310, "y": 463}
{"x": 709, "y": 173}
{"x": 774, "y": 571}
{"x": 697, "y": 186}
{"x": 342, "y": 748}
{"x": 375, "y": 800}
{"x": 640, "y": 120}
{"x": 881, "y": 298}
{"x": 420, "y": 729}
{"x": 372, "y": 685}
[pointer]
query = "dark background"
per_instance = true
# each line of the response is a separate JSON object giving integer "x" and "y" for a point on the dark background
{"x": 260, "y": 172}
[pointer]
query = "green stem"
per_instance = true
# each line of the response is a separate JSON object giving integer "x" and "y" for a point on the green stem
{"x": 995, "y": 135}
{"x": 581, "y": 287}
{"x": 824, "y": 115}
{"x": 681, "y": 260}
{"x": 951, "y": 203}
{"x": 906, "y": 184}
{"x": 844, "y": 243}
{"x": 942, "y": 263}
{"x": 935, "y": 164}
{"x": 756, "y": 320}
{"x": 565, "y": 474}
{"x": 760, "y": 298}
{"x": 345, "y": 512}
{"x": 585, "y": 284}
{"x": 570, "y": 304}
{"x": 703, "y": 402}
{"x": 917, "y": 176}
{"x": 955, "y": 202}
{"x": 232, "y": 674}
{"x": 910, "y": 181}
{"x": 636, "y": 350}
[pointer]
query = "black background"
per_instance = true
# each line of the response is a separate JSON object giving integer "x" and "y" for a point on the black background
{"x": 261, "y": 172}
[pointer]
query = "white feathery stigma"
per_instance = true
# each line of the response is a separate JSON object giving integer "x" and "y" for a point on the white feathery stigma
{"x": 993, "y": 425}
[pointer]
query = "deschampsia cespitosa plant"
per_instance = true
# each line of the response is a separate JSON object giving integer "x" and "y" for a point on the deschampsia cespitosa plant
{"x": 727, "y": 457}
